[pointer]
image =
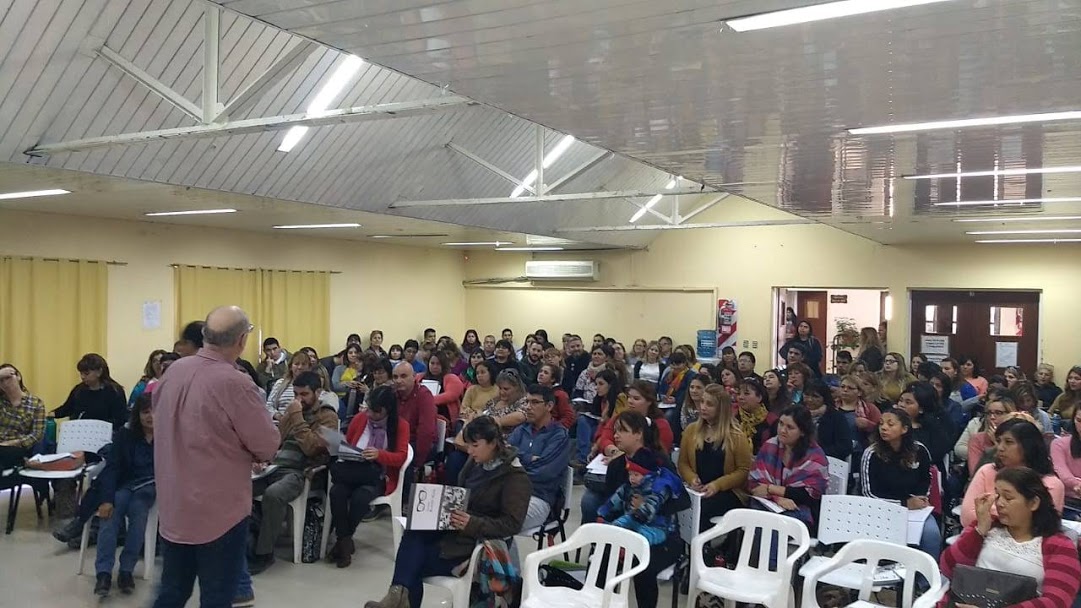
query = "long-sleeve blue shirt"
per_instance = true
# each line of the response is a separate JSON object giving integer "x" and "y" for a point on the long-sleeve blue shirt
{"x": 128, "y": 463}
{"x": 545, "y": 455}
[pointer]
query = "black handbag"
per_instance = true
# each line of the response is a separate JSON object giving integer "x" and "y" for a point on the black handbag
{"x": 550, "y": 576}
{"x": 989, "y": 588}
{"x": 356, "y": 472}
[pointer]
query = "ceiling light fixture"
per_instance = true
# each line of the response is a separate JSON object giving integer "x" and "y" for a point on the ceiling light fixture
{"x": 529, "y": 249}
{"x": 306, "y": 226}
{"x": 653, "y": 201}
{"x": 548, "y": 160}
{"x": 993, "y": 172}
{"x": 1033, "y": 218}
{"x": 1033, "y": 231}
{"x": 964, "y": 123}
{"x": 1052, "y": 241}
{"x": 1017, "y": 202}
{"x": 32, "y": 194}
{"x": 324, "y": 99}
{"x": 193, "y": 212}
{"x": 820, "y": 12}
{"x": 479, "y": 243}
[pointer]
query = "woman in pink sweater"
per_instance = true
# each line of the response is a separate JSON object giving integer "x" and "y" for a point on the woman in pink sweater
{"x": 1026, "y": 538}
{"x": 1066, "y": 457}
{"x": 1020, "y": 444}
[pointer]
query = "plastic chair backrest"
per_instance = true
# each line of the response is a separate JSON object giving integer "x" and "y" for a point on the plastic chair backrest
{"x": 690, "y": 520}
{"x": 875, "y": 553}
{"x": 568, "y": 491}
{"x": 397, "y": 493}
{"x": 845, "y": 518}
{"x": 440, "y": 435}
{"x": 790, "y": 531}
{"x": 84, "y": 436}
{"x": 838, "y": 471}
{"x": 616, "y": 541}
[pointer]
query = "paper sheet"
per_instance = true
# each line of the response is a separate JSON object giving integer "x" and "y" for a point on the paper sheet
{"x": 1005, "y": 354}
{"x": 916, "y": 517}
{"x": 47, "y": 458}
{"x": 935, "y": 345}
{"x": 769, "y": 504}
{"x": 431, "y": 385}
{"x": 597, "y": 465}
{"x": 152, "y": 314}
{"x": 337, "y": 445}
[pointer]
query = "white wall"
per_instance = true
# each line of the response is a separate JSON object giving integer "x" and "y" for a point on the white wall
{"x": 864, "y": 306}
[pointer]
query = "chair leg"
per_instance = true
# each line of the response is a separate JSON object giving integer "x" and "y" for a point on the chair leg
{"x": 150, "y": 544}
{"x": 324, "y": 547}
{"x": 83, "y": 543}
{"x": 13, "y": 507}
{"x": 298, "y": 525}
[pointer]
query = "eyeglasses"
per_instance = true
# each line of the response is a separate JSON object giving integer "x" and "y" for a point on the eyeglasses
{"x": 889, "y": 360}
{"x": 995, "y": 413}
{"x": 534, "y": 402}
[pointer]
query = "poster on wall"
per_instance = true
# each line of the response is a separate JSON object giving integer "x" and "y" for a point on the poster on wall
{"x": 707, "y": 343}
{"x": 935, "y": 346}
{"x": 726, "y": 323}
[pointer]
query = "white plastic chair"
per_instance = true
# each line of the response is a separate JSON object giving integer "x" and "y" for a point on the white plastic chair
{"x": 440, "y": 436}
{"x": 758, "y": 584}
{"x": 845, "y": 519}
{"x": 393, "y": 500}
{"x": 838, "y": 472}
{"x": 150, "y": 544}
{"x": 688, "y": 521}
{"x": 459, "y": 587}
{"x": 910, "y": 561}
{"x": 299, "y": 507}
{"x": 618, "y": 575}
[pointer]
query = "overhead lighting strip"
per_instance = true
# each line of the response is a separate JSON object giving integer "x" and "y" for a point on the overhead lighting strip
{"x": 1034, "y": 218}
{"x": 313, "y": 226}
{"x": 326, "y": 96}
{"x": 549, "y": 159}
{"x": 820, "y": 12}
{"x": 993, "y": 172}
{"x": 192, "y": 212}
{"x": 1010, "y": 203}
{"x": 7, "y": 196}
{"x": 653, "y": 201}
{"x": 965, "y": 123}
{"x": 1051, "y": 241}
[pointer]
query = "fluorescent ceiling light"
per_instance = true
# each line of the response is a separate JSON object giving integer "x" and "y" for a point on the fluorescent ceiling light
{"x": 546, "y": 162}
{"x": 1032, "y": 218}
{"x": 967, "y": 122}
{"x": 1052, "y": 241}
{"x": 305, "y": 226}
{"x": 479, "y": 243}
{"x": 1052, "y": 231}
{"x": 994, "y": 172}
{"x": 1017, "y": 202}
{"x": 820, "y": 12}
{"x": 324, "y": 98}
{"x": 381, "y": 236}
{"x": 31, "y": 194}
{"x": 529, "y": 249}
{"x": 194, "y": 212}
{"x": 649, "y": 205}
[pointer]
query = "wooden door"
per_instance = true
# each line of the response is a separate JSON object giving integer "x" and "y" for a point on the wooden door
{"x": 980, "y": 324}
{"x": 811, "y": 307}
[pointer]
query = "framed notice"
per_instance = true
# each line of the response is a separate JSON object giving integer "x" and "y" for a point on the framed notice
{"x": 430, "y": 506}
{"x": 935, "y": 345}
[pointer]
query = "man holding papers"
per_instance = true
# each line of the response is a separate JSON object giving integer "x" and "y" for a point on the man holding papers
{"x": 302, "y": 447}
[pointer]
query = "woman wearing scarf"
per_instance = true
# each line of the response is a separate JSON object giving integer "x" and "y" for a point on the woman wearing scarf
{"x": 585, "y": 388}
{"x": 754, "y": 419}
{"x": 383, "y": 442}
{"x": 672, "y": 389}
{"x": 790, "y": 469}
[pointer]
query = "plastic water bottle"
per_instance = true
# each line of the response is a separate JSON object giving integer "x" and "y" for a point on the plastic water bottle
{"x": 50, "y": 430}
{"x": 1056, "y": 423}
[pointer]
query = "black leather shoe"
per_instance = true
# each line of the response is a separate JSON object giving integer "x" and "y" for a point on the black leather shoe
{"x": 258, "y": 563}
{"x": 105, "y": 582}
{"x": 125, "y": 582}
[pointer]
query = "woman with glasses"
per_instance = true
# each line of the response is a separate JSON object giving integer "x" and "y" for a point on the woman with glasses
{"x": 861, "y": 416}
{"x": 894, "y": 377}
{"x": 979, "y": 434}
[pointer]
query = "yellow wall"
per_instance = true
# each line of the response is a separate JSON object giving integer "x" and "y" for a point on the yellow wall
{"x": 746, "y": 263}
{"x": 397, "y": 289}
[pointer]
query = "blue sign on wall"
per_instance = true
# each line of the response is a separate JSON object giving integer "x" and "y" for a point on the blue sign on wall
{"x": 707, "y": 343}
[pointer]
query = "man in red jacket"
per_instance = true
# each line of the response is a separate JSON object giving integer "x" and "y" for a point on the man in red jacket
{"x": 417, "y": 407}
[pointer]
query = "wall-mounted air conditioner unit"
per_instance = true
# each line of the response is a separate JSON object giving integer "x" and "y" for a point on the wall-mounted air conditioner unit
{"x": 561, "y": 270}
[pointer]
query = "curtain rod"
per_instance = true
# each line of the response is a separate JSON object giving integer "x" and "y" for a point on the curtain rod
{"x": 106, "y": 262}
{"x": 249, "y": 269}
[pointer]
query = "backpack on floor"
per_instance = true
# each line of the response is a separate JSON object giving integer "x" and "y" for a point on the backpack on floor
{"x": 313, "y": 532}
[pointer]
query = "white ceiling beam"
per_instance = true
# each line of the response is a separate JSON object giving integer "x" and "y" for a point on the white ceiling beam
{"x": 704, "y": 207}
{"x": 257, "y": 125}
{"x": 737, "y": 224}
{"x": 211, "y": 38}
{"x": 539, "y": 143}
{"x": 179, "y": 101}
{"x": 650, "y": 210}
{"x": 547, "y": 198}
{"x": 489, "y": 166}
{"x": 284, "y": 66}
{"x": 580, "y": 169}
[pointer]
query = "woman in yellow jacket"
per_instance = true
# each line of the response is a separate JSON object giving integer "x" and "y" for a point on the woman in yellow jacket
{"x": 715, "y": 456}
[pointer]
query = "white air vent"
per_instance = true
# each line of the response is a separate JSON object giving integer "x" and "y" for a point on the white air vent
{"x": 561, "y": 270}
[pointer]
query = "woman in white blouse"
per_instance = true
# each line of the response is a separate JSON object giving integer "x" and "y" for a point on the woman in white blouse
{"x": 651, "y": 367}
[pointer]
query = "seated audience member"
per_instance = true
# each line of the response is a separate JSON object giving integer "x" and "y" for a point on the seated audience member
{"x": 273, "y": 365}
{"x": 897, "y": 468}
{"x": 381, "y": 376}
{"x": 979, "y": 436}
{"x": 871, "y": 350}
{"x": 554, "y": 356}
{"x": 672, "y": 389}
{"x": 970, "y": 372}
{"x": 383, "y": 441}
{"x": 531, "y": 362}
{"x": 151, "y": 374}
{"x": 833, "y": 433}
{"x": 641, "y": 399}
{"x": 22, "y": 418}
{"x": 608, "y": 400}
{"x": 728, "y": 359}
{"x": 448, "y": 398}
{"x": 1044, "y": 381}
{"x": 745, "y": 365}
{"x": 639, "y": 505}
{"x": 665, "y": 343}
{"x": 508, "y": 408}
{"x": 469, "y": 376}
{"x": 313, "y": 356}
{"x": 191, "y": 340}
{"x": 488, "y": 346}
{"x": 1024, "y": 395}
{"x": 776, "y": 391}
{"x": 862, "y": 417}
{"x": 729, "y": 381}
{"x": 1066, "y": 458}
{"x": 409, "y": 355}
{"x": 375, "y": 344}
{"x": 918, "y": 400}
{"x": 302, "y": 447}
{"x": 470, "y": 342}
{"x": 619, "y": 359}
{"x": 790, "y": 469}
{"x": 456, "y": 361}
{"x": 168, "y": 359}
{"x": 396, "y": 354}
{"x": 712, "y": 374}
{"x": 962, "y": 392}
{"x": 809, "y": 344}
{"x": 127, "y": 493}
{"x": 679, "y": 418}
{"x": 429, "y": 335}
{"x": 1019, "y": 444}
{"x": 550, "y": 376}
{"x": 544, "y": 451}
{"x": 1013, "y": 374}
{"x": 799, "y": 374}
{"x": 482, "y": 391}
{"x": 894, "y": 377}
{"x": 281, "y": 394}
{"x": 796, "y": 353}
{"x": 503, "y": 356}
{"x": 97, "y": 397}
{"x": 753, "y": 416}
{"x": 715, "y": 456}
{"x": 599, "y": 339}
{"x": 417, "y": 408}
{"x": 638, "y": 353}
{"x": 842, "y": 368}
{"x": 688, "y": 352}
{"x": 871, "y": 387}
{"x": 1066, "y": 404}
{"x": 585, "y": 387}
{"x": 650, "y": 367}
{"x": 949, "y": 412}
{"x": 1024, "y": 538}
{"x": 347, "y": 381}
{"x": 499, "y": 492}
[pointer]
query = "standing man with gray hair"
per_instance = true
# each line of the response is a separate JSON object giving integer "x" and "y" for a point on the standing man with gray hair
{"x": 210, "y": 425}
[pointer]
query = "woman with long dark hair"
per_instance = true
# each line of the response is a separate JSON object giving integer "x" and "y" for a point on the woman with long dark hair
{"x": 790, "y": 469}
{"x": 812, "y": 346}
{"x": 970, "y": 372}
{"x": 448, "y": 397}
{"x": 347, "y": 381}
{"x": 833, "y": 433}
{"x": 608, "y": 400}
{"x": 679, "y": 418}
{"x": 382, "y": 438}
{"x": 152, "y": 372}
{"x": 504, "y": 356}
{"x": 97, "y": 397}
{"x": 470, "y": 342}
{"x": 1066, "y": 458}
{"x": 919, "y": 401}
{"x": 1067, "y": 403}
{"x": 640, "y": 398}
{"x": 776, "y": 391}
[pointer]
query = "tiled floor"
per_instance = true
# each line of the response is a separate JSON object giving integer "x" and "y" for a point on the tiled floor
{"x": 30, "y": 552}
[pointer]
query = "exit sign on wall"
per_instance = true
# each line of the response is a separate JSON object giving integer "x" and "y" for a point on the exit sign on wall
{"x": 839, "y": 299}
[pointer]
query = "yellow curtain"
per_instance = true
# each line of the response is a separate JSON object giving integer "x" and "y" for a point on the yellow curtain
{"x": 292, "y": 306}
{"x": 52, "y": 312}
